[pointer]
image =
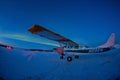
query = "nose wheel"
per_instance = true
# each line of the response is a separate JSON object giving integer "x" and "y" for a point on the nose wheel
{"x": 61, "y": 57}
{"x": 69, "y": 58}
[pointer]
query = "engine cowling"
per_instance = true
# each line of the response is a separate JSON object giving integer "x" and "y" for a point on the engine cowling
{"x": 60, "y": 50}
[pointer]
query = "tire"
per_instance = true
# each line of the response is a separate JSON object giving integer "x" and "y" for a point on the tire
{"x": 76, "y": 57}
{"x": 69, "y": 58}
{"x": 61, "y": 57}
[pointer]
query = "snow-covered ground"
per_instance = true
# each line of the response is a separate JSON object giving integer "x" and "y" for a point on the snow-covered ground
{"x": 14, "y": 65}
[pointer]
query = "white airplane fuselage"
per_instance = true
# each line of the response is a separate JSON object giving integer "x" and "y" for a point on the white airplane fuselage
{"x": 88, "y": 50}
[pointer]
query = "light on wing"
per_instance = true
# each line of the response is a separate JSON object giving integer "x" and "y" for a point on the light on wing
{"x": 41, "y": 31}
{"x": 9, "y": 47}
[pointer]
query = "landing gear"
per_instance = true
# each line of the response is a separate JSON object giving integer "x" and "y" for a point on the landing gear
{"x": 61, "y": 57}
{"x": 76, "y": 57}
{"x": 69, "y": 58}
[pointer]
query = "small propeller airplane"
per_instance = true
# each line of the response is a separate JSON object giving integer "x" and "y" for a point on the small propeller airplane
{"x": 67, "y": 46}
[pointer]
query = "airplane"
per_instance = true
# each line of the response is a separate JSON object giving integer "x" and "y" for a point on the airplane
{"x": 66, "y": 46}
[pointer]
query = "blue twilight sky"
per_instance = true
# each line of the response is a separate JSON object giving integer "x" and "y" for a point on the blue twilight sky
{"x": 87, "y": 22}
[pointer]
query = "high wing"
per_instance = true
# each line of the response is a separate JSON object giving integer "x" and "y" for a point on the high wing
{"x": 29, "y": 53}
{"x": 23, "y": 49}
{"x": 43, "y": 32}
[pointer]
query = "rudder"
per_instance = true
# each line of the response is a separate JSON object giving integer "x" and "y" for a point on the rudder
{"x": 110, "y": 42}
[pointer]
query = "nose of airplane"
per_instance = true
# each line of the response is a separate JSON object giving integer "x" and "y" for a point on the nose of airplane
{"x": 60, "y": 50}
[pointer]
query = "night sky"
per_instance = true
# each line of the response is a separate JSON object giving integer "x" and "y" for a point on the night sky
{"x": 87, "y": 22}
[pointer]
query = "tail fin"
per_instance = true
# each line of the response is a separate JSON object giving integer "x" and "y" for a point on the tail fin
{"x": 110, "y": 41}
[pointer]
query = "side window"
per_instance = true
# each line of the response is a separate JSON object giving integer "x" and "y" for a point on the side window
{"x": 76, "y": 47}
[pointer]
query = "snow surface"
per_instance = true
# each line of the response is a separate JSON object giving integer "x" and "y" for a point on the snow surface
{"x": 14, "y": 65}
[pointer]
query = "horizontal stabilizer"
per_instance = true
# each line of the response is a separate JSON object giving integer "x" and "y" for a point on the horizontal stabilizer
{"x": 117, "y": 46}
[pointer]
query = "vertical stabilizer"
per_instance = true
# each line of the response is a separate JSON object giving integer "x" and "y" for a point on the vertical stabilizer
{"x": 110, "y": 41}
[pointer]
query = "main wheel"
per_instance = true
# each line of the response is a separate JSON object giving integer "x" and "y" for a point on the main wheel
{"x": 69, "y": 58}
{"x": 76, "y": 56}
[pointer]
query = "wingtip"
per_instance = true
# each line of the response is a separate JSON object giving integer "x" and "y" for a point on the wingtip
{"x": 35, "y": 28}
